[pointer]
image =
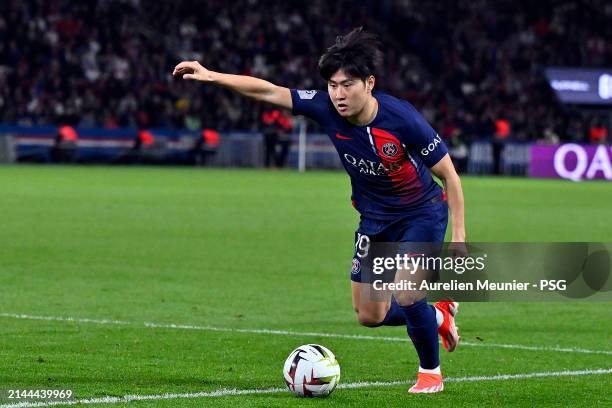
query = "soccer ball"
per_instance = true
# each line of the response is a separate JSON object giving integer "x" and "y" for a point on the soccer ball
{"x": 311, "y": 370}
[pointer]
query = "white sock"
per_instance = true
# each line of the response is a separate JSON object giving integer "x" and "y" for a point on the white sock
{"x": 430, "y": 371}
{"x": 439, "y": 317}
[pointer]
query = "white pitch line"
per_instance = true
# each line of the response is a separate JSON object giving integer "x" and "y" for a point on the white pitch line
{"x": 224, "y": 392}
{"x": 292, "y": 333}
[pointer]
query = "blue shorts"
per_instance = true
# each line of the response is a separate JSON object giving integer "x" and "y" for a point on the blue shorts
{"x": 424, "y": 225}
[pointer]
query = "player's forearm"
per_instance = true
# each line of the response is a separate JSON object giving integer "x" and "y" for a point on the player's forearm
{"x": 454, "y": 195}
{"x": 248, "y": 86}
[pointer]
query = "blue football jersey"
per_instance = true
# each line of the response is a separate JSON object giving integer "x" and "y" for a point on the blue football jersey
{"x": 388, "y": 160}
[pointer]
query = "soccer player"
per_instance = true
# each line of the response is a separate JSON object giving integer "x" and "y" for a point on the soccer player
{"x": 389, "y": 152}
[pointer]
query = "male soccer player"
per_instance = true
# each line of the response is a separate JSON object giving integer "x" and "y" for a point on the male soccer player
{"x": 388, "y": 150}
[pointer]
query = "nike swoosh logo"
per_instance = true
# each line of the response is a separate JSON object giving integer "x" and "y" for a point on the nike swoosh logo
{"x": 339, "y": 136}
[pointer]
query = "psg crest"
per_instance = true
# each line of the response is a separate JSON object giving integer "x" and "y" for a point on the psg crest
{"x": 389, "y": 149}
{"x": 356, "y": 266}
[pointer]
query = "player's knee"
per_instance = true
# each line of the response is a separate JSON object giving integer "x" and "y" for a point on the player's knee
{"x": 407, "y": 298}
{"x": 369, "y": 320}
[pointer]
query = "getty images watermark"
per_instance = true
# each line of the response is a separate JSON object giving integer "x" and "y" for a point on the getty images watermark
{"x": 411, "y": 264}
{"x": 491, "y": 271}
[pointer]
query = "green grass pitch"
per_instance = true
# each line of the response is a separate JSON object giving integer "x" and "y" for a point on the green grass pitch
{"x": 246, "y": 249}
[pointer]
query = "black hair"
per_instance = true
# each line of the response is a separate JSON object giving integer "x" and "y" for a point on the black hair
{"x": 357, "y": 53}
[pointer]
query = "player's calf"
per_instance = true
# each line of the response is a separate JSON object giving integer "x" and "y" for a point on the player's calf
{"x": 370, "y": 319}
{"x": 375, "y": 312}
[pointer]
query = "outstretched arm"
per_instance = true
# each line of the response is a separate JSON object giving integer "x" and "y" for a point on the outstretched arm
{"x": 251, "y": 87}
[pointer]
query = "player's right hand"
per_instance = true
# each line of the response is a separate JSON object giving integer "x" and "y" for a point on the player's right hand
{"x": 458, "y": 249}
{"x": 192, "y": 70}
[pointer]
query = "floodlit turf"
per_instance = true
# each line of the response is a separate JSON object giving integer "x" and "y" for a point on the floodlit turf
{"x": 250, "y": 249}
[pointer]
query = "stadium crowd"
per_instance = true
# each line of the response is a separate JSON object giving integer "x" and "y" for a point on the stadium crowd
{"x": 474, "y": 68}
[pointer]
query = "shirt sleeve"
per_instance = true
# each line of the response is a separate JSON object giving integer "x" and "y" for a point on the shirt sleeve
{"x": 423, "y": 140}
{"x": 312, "y": 104}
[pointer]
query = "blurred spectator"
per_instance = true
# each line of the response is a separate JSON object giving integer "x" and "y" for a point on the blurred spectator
{"x": 502, "y": 128}
{"x": 147, "y": 149}
{"x": 205, "y": 147}
{"x": 64, "y": 148}
{"x": 598, "y": 133}
{"x": 550, "y": 137}
{"x": 276, "y": 137}
{"x": 500, "y": 137}
{"x": 144, "y": 139}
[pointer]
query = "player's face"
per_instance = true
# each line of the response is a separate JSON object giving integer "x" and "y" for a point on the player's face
{"x": 349, "y": 94}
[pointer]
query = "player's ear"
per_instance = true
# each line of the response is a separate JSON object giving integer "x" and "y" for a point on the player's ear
{"x": 370, "y": 83}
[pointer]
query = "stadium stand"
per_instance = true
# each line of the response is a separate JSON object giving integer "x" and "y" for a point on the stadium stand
{"x": 107, "y": 63}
